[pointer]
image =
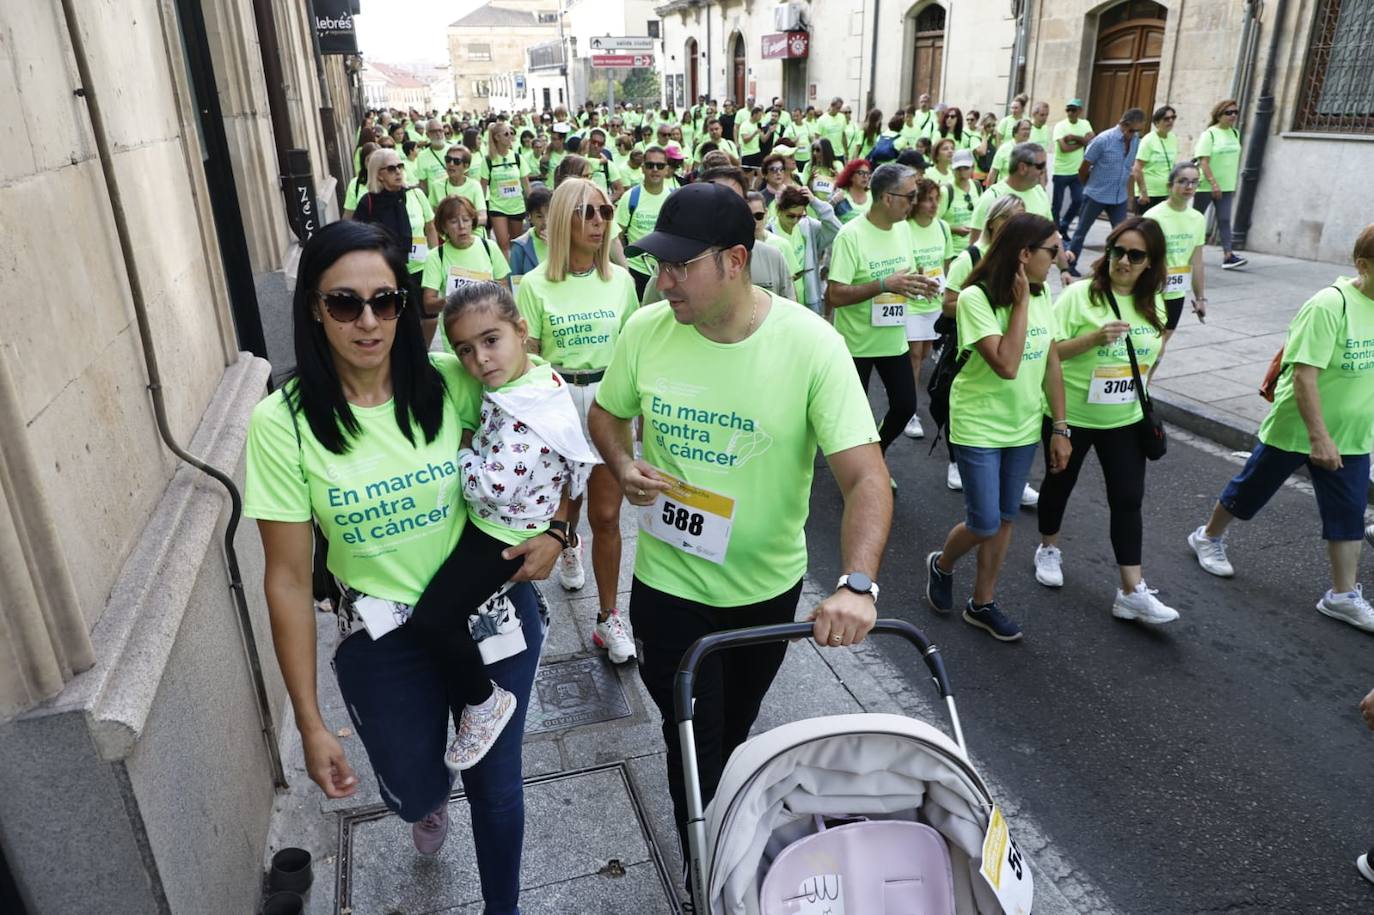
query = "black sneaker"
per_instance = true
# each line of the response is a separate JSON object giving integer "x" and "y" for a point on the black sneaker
{"x": 990, "y": 617}
{"x": 939, "y": 585}
{"x": 1234, "y": 261}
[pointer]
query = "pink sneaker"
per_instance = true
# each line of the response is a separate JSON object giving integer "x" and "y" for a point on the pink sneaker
{"x": 429, "y": 834}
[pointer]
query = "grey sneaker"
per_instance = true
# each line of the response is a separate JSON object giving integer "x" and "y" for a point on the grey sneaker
{"x": 1349, "y": 608}
{"x": 429, "y": 834}
{"x": 1049, "y": 566}
{"x": 1141, "y": 604}
{"x": 1211, "y": 554}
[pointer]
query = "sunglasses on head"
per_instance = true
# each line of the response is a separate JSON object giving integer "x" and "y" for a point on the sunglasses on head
{"x": 1134, "y": 255}
{"x": 593, "y": 210}
{"x": 346, "y": 307}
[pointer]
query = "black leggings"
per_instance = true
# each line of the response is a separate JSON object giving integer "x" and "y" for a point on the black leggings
{"x": 729, "y": 686}
{"x": 472, "y": 573}
{"x": 1123, "y": 467}
{"x": 900, "y": 384}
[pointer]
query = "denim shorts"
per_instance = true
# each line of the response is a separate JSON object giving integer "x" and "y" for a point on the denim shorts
{"x": 1341, "y": 494}
{"x": 994, "y": 479}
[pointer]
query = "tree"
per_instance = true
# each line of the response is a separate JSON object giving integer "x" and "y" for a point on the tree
{"x": 640, "y": 85}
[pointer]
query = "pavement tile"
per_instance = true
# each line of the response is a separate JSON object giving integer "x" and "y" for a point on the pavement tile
{"x": 638, "y": 890}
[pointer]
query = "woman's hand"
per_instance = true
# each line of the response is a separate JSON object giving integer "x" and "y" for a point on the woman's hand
{"x": 326, "y": 764}
{"x": 1200, "y": 309}
{"x": 1060, "y": 450}
{"x": 1111, "y": 332}
{"x": 1216, "y": 192}
{"x": 1020, "y": 288}
{"x": 540, "y": 554}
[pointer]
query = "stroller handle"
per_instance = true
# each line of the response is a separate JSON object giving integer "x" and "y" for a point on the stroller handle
{"x": 759, "y": 635}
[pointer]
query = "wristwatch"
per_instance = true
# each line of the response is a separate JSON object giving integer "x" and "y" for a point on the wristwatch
{"x": 859, "y": 583}
{"x": 1066, "y": 431}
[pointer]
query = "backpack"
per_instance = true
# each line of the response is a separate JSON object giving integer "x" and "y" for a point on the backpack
{"x": 947, "y": 367}
{"x": 1270, "y": 385}
{"x": 885, "y": 150}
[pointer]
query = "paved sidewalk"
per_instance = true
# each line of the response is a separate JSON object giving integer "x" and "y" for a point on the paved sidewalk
{"x": 599, "y": 833}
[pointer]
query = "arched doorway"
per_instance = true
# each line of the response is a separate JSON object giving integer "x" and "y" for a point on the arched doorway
{"x": 741, "y": 70}
{"x": 927, "y": 30}
{"x": 690, "y": 53}
{"x": 1130, "y": 37}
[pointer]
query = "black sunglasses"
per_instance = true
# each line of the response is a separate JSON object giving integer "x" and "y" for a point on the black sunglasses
{"x": 759, "y": 217}
{"x": 655, "y": 165}
{"x": 592, "y": 210}
{"x": 345, "y": 307}
{"x": 456, "y": 161}
{"x": 1232, "y": 111}
{"x": 1134, "y": 255}
{"x": 393, "y": 167}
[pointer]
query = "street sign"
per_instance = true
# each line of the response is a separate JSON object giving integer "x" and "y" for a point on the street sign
{"x": 621, "y": 43}
{"x": 622, "y": 60}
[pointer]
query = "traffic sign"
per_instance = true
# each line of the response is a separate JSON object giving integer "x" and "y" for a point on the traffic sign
{"x": 622, "y": 60}
{"x": 621, "y": 43}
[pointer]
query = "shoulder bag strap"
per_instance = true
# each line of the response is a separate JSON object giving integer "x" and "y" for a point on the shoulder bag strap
{"x": 1130, "y": 352}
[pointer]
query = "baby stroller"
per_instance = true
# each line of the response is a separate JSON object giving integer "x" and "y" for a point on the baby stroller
{"x": 921, "y": 817}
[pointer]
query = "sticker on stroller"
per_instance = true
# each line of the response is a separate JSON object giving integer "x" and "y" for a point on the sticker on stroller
{"x": 694, "y": 520}
{"x": 818, "y": 895}
{"x": 1005, "y": 869}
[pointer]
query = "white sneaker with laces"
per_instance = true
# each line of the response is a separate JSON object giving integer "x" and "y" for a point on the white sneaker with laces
{"x": 1049, "y": 566}
{"x": 952, "y": 478}
{"x": 571, "y": 575}
{"x": 1349, "y": 608}
{"x": 1369, "y": 534}
{"x": 1030, "y": 497}
{"x": 1211, "y": 554}
{"x": 1141, "y": 604}
{"x": 478, "y": 728}
{"x": 614, "y": 635}
{"x": 913, "y": 428}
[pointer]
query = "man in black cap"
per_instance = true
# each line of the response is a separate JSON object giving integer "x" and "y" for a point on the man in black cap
{"x": 737, "y": 388}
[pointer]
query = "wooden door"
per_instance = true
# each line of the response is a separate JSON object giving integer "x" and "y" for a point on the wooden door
{"x": 692, "y": 90}
{"x": 1130, "y": 38}
{"x": 928, "y": 53}
{"x": 741, "y": 72}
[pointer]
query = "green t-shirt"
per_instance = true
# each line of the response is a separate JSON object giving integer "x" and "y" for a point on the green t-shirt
{"x": 1183, "y": 231}
{"x": 577, "y": 321}
{"x": 1006, "y": 127}
{"x": 356, "y": 191}
{"x": 1222, "y": 149}
{"x": 985, "y": 409}
{"x": 448, "y": 266}
{"x": 725, "y": 417}
{"x": 821, "y": 181}
{"x": 960, "y": 268}
{"x": 1066, "y": 163}
{"x": 801, "y": 141}
{"x": 783, "y": 245}
{"x": 939, "y": 177}
{"x": 391, "y": 509}
{"x": 430, "y": 165}
{"x": 504, "y": 193}
{"x": 931, "y": 247}
{"x": 554, "y": 157}
{"x": 1042, "y": 136}
{"x": 633, "y": 228}
{"x": 470, "y": 189}
{"x": 420, "y": 212}
{"x": 861, "y": 254}
{"x": 1339, "y": 340}
{"x": 1002, "y": 158}
{"x": 956, "y": 209}
{"x": 832, "y": 128}
{"x": 411, "y": 171}
{"x": 1098, "y": 388}
{"x": 604, "y": 174}
{"x": 1035, "y": 199}
{"x": 854, "y": 209}
{"x": 1157, "y": 157}
{"x": 749, "y": 137}
{"x": 795, "y": 247}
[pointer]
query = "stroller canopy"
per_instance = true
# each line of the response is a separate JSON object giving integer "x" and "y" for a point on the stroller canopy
{"x": 871, "y": 765}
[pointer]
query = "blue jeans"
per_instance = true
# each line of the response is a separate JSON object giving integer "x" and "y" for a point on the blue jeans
{"x": 1088, "y": 215}
{"x": 1341, "y": 494}
{"x": 994, "y": 479}
{"x": 1071, "y": 184}
{"x": 398, "y": 700}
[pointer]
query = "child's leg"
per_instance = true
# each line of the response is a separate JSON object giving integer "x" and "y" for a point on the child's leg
{"x": 471, "y": 574}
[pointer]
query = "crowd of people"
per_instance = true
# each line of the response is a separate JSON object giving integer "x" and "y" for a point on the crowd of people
{"x": 532, "y": 313}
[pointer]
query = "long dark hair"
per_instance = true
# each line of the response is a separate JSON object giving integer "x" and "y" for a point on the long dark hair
{"x": 314, "y": 388}
{"x": 996, "y": 270}
{"x": 823, "y": 151}
{"x": 1151, "y": 280}
{"x": 873, "y": 126}
{"x": 958, "y": 134}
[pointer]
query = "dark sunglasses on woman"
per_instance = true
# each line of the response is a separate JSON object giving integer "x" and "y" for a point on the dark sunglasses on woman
{"x": 346, "y": 307}
{"x": 1134, "y": 255}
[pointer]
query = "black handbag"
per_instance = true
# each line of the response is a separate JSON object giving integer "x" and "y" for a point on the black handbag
{"x": 1153, "y": 441}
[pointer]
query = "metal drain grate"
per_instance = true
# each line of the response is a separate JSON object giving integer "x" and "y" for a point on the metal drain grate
{"x": 576, "y": 692}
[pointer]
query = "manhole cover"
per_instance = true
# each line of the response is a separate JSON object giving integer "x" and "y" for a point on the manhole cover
{"x": 570, "y": 693}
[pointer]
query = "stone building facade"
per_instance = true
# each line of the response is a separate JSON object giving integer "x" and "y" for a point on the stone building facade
{"x": 486, "y": 48}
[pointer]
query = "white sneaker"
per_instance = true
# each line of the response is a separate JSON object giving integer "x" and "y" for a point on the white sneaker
{"x": 1369, "y": 534}
{"x": 1030, "y": 497}
{"x": 570, "y": 572}
{"x": 1049, "y": 566}
{"x": 1141, "y": 604}
{"x": 614, "y": 636}
{"x": 1211, "y": 554}
{"x": 952, "y": 478}
{"x": 1349, "y": 608}
{"x": 913, "y": 428}
{"x": 478, "y": 728}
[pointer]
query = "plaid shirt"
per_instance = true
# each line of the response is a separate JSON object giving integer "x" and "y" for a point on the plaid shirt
{"x": 1111, "y": 162}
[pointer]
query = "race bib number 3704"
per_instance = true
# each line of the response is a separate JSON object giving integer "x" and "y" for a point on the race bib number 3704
{"x": 691, "y": 519}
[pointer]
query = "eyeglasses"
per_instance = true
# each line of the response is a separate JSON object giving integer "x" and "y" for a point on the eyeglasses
{"x": 679, "y": 271}
{"x": 775, "y": 169}
{"x": 1231, "y": 112}
{"x": 453, "y": 160}
{"x": 1039, "y": 166}
{"x": 1134, "y": 255}
{"x": 1186, "y": 182}
{"x": 393, "y": 167}
{"x": 345, "y": 307}
{"x": 1053, "y": 249}
{"x": 655, "y": 166}
{"x": 862, "y": 173}
{"x": 590, "y": 211}
{"x": 759, "y": 217}
{"x": 911, "y": 196}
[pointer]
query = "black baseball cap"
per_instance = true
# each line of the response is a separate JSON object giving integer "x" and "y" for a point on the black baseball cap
{"x": 694, "y": 218}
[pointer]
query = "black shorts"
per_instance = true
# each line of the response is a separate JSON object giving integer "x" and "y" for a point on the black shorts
{"x": 753, "y": 160}
{"x": 1173, "y": 308}
{"x": 519, "y": 217}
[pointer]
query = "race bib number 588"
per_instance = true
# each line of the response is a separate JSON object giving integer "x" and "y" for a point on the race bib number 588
{"x": 689, "y": 518}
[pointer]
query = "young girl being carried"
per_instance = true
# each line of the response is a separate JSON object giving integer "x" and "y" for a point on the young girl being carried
{"x": 527, "y": 451}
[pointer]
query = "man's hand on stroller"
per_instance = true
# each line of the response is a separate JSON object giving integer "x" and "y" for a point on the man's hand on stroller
{"x": 843, "y": 618}
{"x": 1367, "y": 709}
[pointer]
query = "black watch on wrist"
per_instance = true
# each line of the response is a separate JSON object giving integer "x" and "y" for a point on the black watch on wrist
{"x": 859, "y": 583}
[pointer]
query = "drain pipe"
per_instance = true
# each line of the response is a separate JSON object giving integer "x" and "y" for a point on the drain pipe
{"x": 1018, "y": 51}
{"x": 1259, "y": 134}
{"x": 145, "y": 333}
{"x": 873, "y": 56}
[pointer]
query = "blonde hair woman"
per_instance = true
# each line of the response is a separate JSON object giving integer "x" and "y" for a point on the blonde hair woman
{"x": 404, "y": 211}
{"x": 575, "y": 303}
